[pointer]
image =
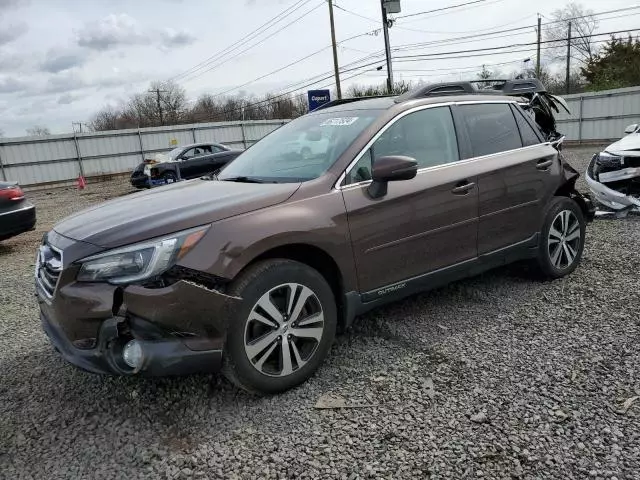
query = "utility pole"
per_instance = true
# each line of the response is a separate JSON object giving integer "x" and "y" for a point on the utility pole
{"x": 335, "y": 50}
{"x": 568, "y": 58}
{"x": 157, "y": 92}
{"x": 538, "y": 48}
{"x": 385, "y": 28}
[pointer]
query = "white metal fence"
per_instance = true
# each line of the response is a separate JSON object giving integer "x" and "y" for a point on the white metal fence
{"x": 62, "y": 158}
{"x": 600, "y": 116}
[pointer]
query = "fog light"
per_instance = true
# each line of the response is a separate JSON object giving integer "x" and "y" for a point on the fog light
{"x": 132, "y": 354}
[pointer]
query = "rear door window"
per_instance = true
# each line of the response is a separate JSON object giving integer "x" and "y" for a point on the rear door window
{"x": 492, "y": 128}
{"x": 528, "y": 134}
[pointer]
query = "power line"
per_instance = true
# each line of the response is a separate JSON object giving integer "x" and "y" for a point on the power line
{"x": 300, "y": 87}
{"x": 258, "y": 31}
{"x": 304, "y": 84}
{"x": 441, "y": 9}
{"x": 435, "y": 42}
{"x": 526, "y": 27}
{"x": 429, "y": 56}
{"x": 492, "y": 50}
{"x": 212, "y": 67}
{"x": 420, "y": 58}
{"x": 452, "y": 41}
{"x": 295, "y": 62}
{"x": 437, "y": 55}
{"x": 617, "y": 10}
{"x": 356, "y": 14}
{"x": 494, "y": 34}
{"x": 470, "y": 68}
{"x": 465, "y": 31}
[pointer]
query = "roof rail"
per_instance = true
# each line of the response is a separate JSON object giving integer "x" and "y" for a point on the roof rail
{"x": 519, "y": 86}
{"x": 342, "y": 101}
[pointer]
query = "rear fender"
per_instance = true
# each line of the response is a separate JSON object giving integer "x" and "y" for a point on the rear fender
{"x": 568, "y": 189}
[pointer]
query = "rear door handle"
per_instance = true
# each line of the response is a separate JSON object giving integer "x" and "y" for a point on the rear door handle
{"x": 464, "y": 188}
{"x": 544, "y": 164}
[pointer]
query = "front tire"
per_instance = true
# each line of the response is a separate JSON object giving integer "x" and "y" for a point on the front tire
{"x": 283, "y": 329}
{"x": 170, "y": 177}
{"x": 562, "y": 238}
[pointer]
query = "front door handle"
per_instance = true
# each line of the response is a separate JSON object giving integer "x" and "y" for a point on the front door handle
{"x": 544, "y": 164}
{"x": 463, "y": 189}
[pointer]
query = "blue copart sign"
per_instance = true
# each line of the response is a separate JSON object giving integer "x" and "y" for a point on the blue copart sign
{"x": 317, "y": 98}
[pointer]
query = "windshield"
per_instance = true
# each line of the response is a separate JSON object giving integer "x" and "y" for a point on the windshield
{"x": 174, "y": 153}
{"x": 301, "y": 150}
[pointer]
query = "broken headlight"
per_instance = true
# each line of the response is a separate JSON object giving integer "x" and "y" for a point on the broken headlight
{"x": 607, "y": 160}
{"x": 140, "y": 261}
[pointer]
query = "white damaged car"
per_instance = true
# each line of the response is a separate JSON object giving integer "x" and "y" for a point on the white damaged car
{"x": 613, "y": 175}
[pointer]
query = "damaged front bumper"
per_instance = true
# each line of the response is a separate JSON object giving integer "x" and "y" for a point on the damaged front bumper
{"x": 615, "y": 182}
{"x": 180, "y": 328}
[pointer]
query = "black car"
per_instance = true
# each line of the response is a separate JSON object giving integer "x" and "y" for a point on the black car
{"x": 17, "y": 215}
{"x": 193, "y": 161}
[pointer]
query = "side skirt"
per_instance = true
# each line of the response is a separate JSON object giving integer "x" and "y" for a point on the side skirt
{"x": 359, "y": 303}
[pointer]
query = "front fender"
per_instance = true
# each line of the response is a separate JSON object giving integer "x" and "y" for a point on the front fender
{"x": 232, "y": 244}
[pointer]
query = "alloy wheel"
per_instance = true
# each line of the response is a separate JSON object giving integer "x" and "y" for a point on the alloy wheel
{"x": 284, "y": 330}
{"x": 564, "y": 239}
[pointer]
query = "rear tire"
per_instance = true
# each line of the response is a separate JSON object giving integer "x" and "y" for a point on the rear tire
{"x": 562, "y": 238}
{"x": 283, "y": 329}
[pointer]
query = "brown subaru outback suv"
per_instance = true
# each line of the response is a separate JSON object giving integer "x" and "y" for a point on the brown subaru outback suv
{"x": 252, "y": 271}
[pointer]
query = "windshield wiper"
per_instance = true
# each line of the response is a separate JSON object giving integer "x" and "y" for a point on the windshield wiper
{"x": 243, "y": 179}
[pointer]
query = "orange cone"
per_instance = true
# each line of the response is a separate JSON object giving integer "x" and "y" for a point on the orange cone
{"x": 81, "y": 183}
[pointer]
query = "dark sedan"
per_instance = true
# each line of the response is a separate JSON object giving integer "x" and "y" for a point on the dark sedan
{"x": 17, "y": 215}
{"x": 186, "y": 162}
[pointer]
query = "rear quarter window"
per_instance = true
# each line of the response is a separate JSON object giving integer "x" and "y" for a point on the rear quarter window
{"x": 491, "y": 127}
{"x": 528, "y": 134}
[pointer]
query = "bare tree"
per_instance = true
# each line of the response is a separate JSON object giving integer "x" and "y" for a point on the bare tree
{"x": 301, "y": 105}
{"x": 206, "y": 109}
{"x": 38, "y": 131}
{"x": 485, "y": 73}
{"x": 105, "y": 119}
{"x": 141, "y": 109}
{"x": 173, "y": 101}
{"x": 583, "y": 25}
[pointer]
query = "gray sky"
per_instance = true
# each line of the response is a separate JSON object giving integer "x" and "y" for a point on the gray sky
{"x": 62, "y": 60}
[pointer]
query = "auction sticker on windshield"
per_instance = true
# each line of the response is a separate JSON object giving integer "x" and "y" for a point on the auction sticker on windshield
{"x": 339, "y": 122}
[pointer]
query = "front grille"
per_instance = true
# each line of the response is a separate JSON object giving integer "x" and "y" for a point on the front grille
{"x": 48, "y": 268}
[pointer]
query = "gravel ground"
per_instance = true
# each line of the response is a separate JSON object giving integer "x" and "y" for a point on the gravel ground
{"x": 497, "y": 376}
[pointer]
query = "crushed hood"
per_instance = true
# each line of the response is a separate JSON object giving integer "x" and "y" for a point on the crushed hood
{"x": 144, "y": 215}
{"x": 629, "y": 145}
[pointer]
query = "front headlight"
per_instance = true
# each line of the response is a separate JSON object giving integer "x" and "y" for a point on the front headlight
{"x": 140, "y": 261}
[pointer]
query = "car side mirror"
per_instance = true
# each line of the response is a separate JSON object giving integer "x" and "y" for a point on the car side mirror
{"x": 631, "y": 128}
{"x": 391, "y": 168}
